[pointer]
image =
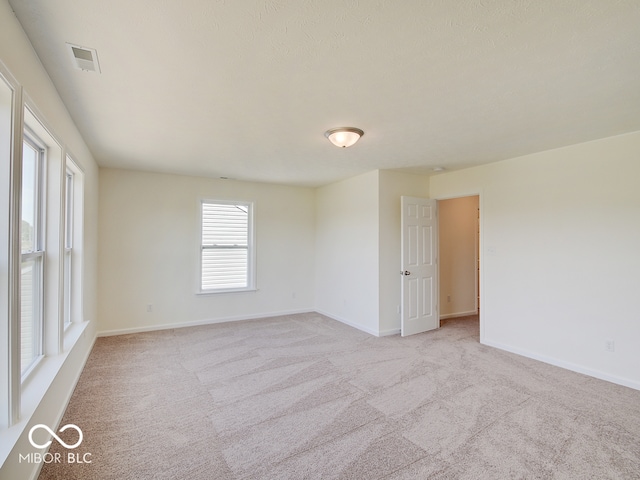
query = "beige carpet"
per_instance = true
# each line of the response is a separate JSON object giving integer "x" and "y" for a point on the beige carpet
{"x": 303, "y": 396}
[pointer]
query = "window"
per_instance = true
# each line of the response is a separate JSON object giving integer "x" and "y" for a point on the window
{"x": 10, "y": 262}
{"x": 41, "y": 256}
{"x": 226, "y": 253}
{"x": 32, "y": 253}
{"x": 68, "y": 245}
{"x": 72, "y": 225}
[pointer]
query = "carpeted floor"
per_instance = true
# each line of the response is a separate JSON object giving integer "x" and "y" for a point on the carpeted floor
{"x": 305, "y": 397}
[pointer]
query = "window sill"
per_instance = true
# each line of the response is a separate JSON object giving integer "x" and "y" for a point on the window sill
{"x": 35, "y": 388}
{"x": 229, "y": 290}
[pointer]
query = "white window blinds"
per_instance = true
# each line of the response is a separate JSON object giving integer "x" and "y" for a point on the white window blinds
{"x": 226, "y": 246}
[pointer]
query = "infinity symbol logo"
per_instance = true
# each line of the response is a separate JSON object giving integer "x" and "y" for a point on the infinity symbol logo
{"x": 53, "y": 434}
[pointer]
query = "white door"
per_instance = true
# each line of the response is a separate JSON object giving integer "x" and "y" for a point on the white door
{"x": 419, "y": 266}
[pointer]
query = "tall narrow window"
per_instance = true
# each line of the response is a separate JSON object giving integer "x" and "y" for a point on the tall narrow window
{"x": 68, "y": 245}
{"x": 32, "y": 252}
{"x": 9, "y": 272}
{"x": 226, "y": 246}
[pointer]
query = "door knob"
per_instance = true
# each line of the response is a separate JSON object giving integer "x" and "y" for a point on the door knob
{"x": 406, "y": 272}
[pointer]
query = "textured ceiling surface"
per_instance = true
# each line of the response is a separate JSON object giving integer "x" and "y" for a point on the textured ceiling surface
{"x": 246, "y": 89}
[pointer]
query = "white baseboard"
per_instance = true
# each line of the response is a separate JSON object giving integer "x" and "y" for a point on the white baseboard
{"x": 458, "y": 314}
{"x": 567, "y": 365}
{"x": 351, "y": 324}
{"x": 212, "y": 321}
{"x": 388, "y": 333}
{"x": 196, "y": 323}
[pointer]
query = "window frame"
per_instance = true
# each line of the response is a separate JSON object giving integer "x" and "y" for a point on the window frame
{"x": 11, "y": 134}
{"x": 38, "y": 253}
{"x": 72, "y": 246}
{"x": 67, "y": 246}
{"x": 251, "y": 248}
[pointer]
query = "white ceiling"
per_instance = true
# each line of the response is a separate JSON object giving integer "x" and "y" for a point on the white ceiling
{"x": 246, "y": 88}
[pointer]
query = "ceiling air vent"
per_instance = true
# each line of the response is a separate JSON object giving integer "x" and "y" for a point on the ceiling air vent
{"x": 84, "y": 58}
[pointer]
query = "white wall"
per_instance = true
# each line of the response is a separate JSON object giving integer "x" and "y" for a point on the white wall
{"x": 560, "y": 262}
{"x": 358, "y": 248}
{"x": 394, "y": 185}
{"x": 149, "y": 251}
{"x": 458, "y": 242}
{"x": 335, "y": 249}
{"x": 347, "y": 261}
{"x": 19, "y": 58}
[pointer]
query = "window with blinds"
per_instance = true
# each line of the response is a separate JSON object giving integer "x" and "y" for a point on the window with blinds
{"x": 226, "y": 246}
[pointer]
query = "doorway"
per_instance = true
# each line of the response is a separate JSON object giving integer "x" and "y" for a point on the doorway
{"x": 459, "y": 256}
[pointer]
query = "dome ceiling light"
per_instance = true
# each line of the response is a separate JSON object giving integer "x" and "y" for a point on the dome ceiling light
{"x": 344, "y": 136}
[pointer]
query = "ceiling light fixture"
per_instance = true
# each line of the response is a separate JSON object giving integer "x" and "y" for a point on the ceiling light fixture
{"x": 343, "y": 136}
